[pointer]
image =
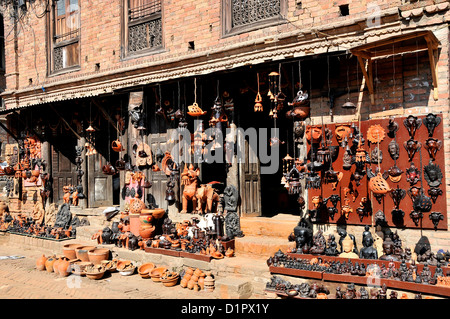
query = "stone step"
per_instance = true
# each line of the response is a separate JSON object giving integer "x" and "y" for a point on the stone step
{"x": 279, "y": 226}
{"x": 261, "y": 247}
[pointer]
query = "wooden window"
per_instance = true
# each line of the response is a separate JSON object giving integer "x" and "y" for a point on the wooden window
{"x": 240, "y": 16}
{"x": 142, "y": 27}
{"x": 65, "y": 33}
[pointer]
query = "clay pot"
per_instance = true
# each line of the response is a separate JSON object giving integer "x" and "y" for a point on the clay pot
{"x": 109, "y": 265}
{"x": 56, "y": 265}
{"x": 321, "y": 295}
{"x": 201, "y": 281}
{"x": 124, "y": 264}
{"x": 158, "y": 213}
{"x": 189, "y": 271}
{"x": 95, "y": 275}
{"x": 209, "y": 282}
{"x": 69, "y": 250}
{"x": 197, "y": 272}
{"x": 170, "y": 279}
{"x": 156, "y": 273}
{"x": 146, "y": 232}
{"x": 146, "y": 217}
{"x": 191, "y": 283}
{"x": 40, "y": 262}
{"x": 184, "y": 282}
{"x": 82, "y": 252}
{"x": 145, "y": 269}
{"x": 117, "y": 146}
{"x": 97, "y": 255}
{"x": 79, "y": 267}
{"x": 64, "y": 267}
{"x": 136, "y": 205}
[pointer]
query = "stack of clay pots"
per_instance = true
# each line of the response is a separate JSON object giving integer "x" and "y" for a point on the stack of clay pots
{"x": 59, "y": 265}
{"x": 193, "y": 279}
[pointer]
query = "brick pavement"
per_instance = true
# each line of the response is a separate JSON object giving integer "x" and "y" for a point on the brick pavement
{"x": 20, "y": 280}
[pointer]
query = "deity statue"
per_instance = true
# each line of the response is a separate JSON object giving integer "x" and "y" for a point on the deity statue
{"x": 348, "y": 248}
{"x": 319, "y": 244}
{"x": 388, "y": 250}
{"x": 368, "y": 251}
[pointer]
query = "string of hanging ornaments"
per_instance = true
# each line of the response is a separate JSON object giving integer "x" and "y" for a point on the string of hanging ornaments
{"x": 194, "y": 110}
{"x": 90, "y": 141}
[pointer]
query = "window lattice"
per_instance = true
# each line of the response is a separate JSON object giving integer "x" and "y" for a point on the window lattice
{"x": 58, "y": 59}
{"x": 146, "y": 35}
{"x": 246, "y": 12}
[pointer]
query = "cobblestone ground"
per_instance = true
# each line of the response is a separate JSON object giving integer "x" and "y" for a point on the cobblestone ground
{"x": 19, "y": 279}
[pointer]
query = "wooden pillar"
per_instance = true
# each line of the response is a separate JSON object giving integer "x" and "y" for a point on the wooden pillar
{"x": 83, "y": 203}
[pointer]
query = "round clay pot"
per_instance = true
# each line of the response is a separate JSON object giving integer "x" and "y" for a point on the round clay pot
{"x": 146, "y": 216}
{"x": 97, "y": 255}
{"x": 191, "y": 283}
{"x": 183, "y": 282}
{"x": 145, "y": 269}
{"x": 128, "y": 272}
{"x": 197, "y": 272}
{"x": 187, "y": 276}
{"x": 79, "y": 267}
{"x": 95, "y": 275}
{"x": 201, "y": 281}
{"x": 322, "y": 295}
{"x": 82, "y": 252}
{"x": 56, "y": 265}
{"x": 170, "y": 282}
{"x": 189, "y": 270}
{"x": 146, "y": 232}
{"x": 156, "y": 273}
{"x": 136, "y": 205}
{"x": 49, "y": 263}
{"x": 64, "y": 267}
{"x": 158, "y": 213}
{"x": 69, "y": 250}
{"x": 40, "y": 262}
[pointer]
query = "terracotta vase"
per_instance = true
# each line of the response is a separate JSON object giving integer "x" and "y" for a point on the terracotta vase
{"x": 209, "y": 282}
{"x": 56, "y": 265}
{"x": 191, "y": 283}
{"x": 201, "y": 281}
{"x": 183, "y": 282}
{"x": 40, "y": 262}
{"x": 64, "y": 267}
{"x": 49, "y": 263}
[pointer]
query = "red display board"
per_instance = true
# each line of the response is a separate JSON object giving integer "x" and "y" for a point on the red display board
{"x": 403, "y": 162}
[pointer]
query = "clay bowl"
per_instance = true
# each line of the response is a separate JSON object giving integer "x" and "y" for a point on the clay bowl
{"x": 95, "y": 275}
{"x": 124, "y": 264}
{"x": 170, "y": 279}
{"x": 158, "y": 213}
{"x": 69, "y": 250}
{"x": 109, "y": 265}
{"x": 145, "y": 269}
{"x": 292, "y": 293}
{"x": 96, "y": 256}
{"x": 82, "y": 252}
{"x": 156, "y": 273}
{"x": 79, "y": 267}
{"x": 128, "y": 271}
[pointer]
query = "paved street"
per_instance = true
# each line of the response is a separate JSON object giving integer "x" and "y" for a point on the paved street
{"x": 20, "y": 279}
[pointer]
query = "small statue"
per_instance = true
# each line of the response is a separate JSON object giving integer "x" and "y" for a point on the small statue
{"x": 363, "y": 294}
{"x": 319, "y": 244}
{"x": 107, "y": 236}
{"x": 331, "y": 249}
{"x": 348, "y": 248}
{"x": 368, "y": 251}
{"x": 343, "y": 234}
{"x": 388, "y": 250}
{"x": 302, "y": 236}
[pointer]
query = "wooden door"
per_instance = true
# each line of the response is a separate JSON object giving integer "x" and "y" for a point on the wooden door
{"x": 250, "y": 184}
{"x": 157, "y": 193}
{"x": 100, "y": 188}
{"x": 63, "y": 170}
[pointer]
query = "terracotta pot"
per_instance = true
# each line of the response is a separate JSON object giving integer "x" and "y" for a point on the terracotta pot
{"x": 189, "y": 270}
{"x": 198, "y": 272}
{"x": 191, "y": 283}
{"x": 128, "y": 272}
{"x": 124, "y": 264}
{"x": 156, "y": 273}
{"x": 56, "y": 265}
{"x": 201, "y": 281}
{"x": 69, "y": 250}
{"x": 158, "y": 213}
{"x": 79, "y": 267}
{"x": 145, "y": 269}
{"x": 146, "y": 232}
{"x": 64, "y": 267}
{"x": 146, "y": 217}
{"x": 49, "y": 263}
{"x": 95, "y": 275}
{"x": 136, "y": 205}
{"x": 97, "y": 255}
{"x": 322, "y": 295}
{"x": 40, "y": 262}
{"x": 183, "y": 283}
{"x": 82, "y": 252}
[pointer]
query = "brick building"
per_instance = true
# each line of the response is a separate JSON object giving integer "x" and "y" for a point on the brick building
{"x": 73, "y": 64}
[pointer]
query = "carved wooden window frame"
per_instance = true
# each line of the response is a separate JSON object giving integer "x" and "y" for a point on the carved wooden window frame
{"x": 227, "y": 18}
{"x": 146, "y": 20}
{"x": 64, "y": 34}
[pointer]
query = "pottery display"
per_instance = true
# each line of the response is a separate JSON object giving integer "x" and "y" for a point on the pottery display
{"x": 97, "y": 255}
{"x": 95, "y": 272}
{"x": 156, "y": 273}
{"x": 69, "y": 250}
{"x": 145, "y": 269}
{"x": 82, "y": 252}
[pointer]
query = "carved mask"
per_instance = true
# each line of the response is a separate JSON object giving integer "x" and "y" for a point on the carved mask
{"x": 413, "y": 174}
{"x": 342, "y": 131}
{"x": 313, "y": 134}
{"x": 432, "y": 145}
{"x": 411, "y": 146}
{"x": 412, "y": 124}
{"x": 431, "y": 121}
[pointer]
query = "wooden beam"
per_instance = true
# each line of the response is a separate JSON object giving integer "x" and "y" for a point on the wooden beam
{"x": 62, "y": 119}
{"x": 433, "y": 65}
{"x": 105, "y": 114}
{"x": 367, "y": 77}
{"x": 8, "y": 131}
